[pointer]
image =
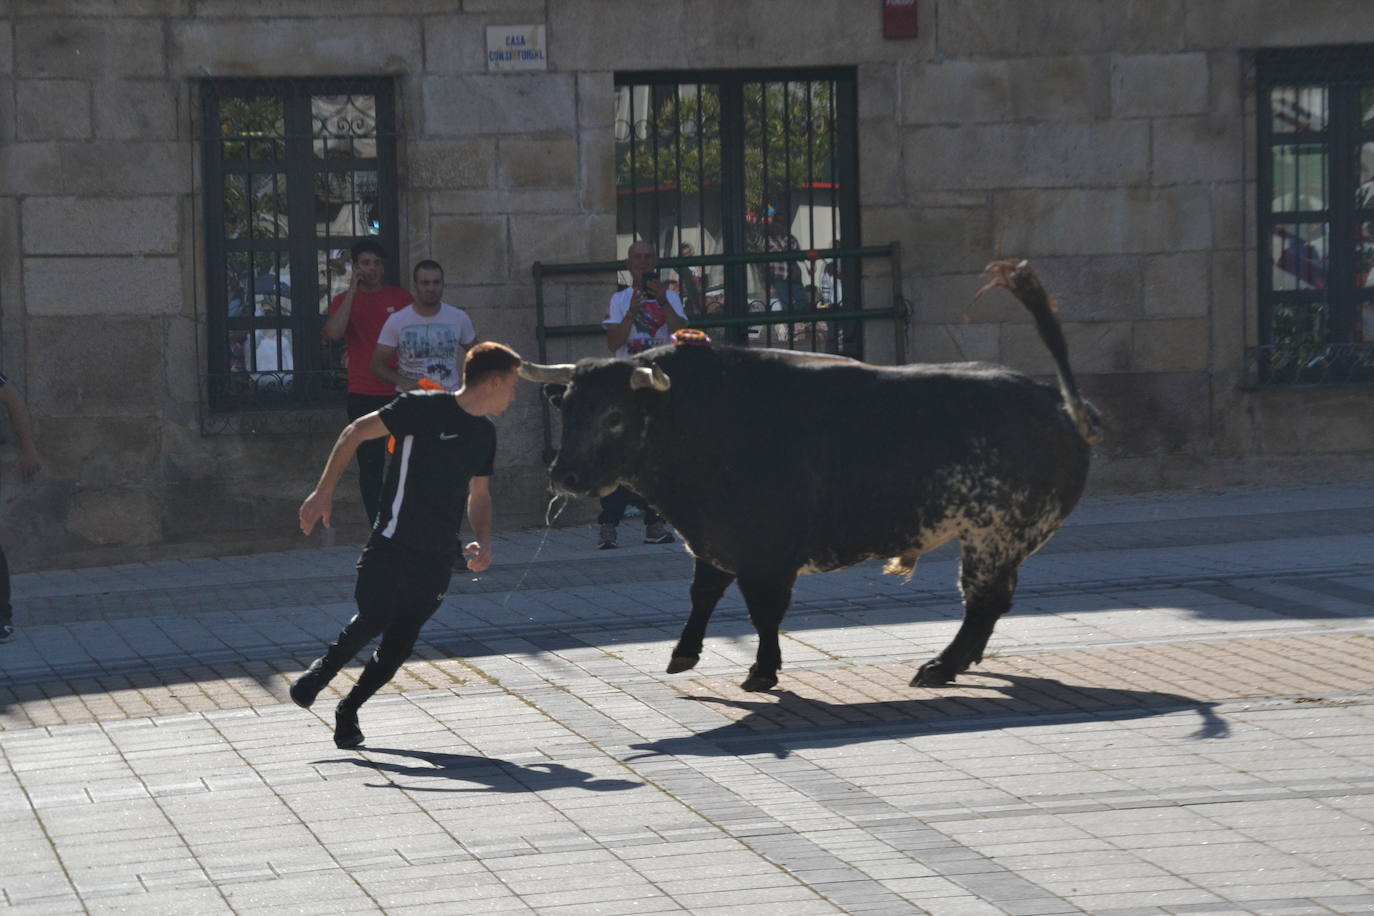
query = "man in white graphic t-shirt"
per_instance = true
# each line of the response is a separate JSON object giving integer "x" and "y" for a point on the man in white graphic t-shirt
{"x": 426, "y": 340}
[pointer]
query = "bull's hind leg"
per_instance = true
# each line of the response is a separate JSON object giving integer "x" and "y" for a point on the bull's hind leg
{"x": 708, "y": 585}
{"x": 768, "y": 599}
{"x": 987, "y": 581}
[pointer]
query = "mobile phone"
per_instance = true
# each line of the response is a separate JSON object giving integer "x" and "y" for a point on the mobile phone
{"x": 644, "y": 281}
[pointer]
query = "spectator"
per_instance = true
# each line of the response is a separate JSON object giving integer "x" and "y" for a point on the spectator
{"x": 28, "y": 466}
{"x": 357, "y": 316}
{"x": 641, "y": 316}
{"x": 426, "y": 339}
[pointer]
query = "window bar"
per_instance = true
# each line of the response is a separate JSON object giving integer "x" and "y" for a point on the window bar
{"x": 677, "y": 165}
{"x": 657, "y": 218}
{"x": 789, "y": 294}
{"x": 634, "y": 165}
{"x": 701, "y": 185}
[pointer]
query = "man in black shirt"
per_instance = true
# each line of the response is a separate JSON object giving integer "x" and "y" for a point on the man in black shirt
{"x": 445, "y": 443}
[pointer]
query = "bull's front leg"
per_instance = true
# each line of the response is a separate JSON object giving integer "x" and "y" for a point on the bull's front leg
{"x": 708, "y": 585}
{"x": 768, "y": 598}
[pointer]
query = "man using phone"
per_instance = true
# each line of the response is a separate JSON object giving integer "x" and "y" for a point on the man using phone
{"x": 356, "y": 316}
{"x": 643, "y": 315}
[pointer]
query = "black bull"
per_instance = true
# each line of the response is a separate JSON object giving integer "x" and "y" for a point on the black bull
{"x": 772, "y": 463}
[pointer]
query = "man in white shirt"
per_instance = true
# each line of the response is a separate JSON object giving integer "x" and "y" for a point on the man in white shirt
{"x": 427, "y": 339}
{"x": 641, "y": 316}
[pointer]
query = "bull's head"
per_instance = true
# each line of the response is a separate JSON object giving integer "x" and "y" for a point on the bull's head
{"x": 605, "y": 407}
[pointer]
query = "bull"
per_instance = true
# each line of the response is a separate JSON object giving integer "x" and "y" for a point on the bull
{"x": 773, "y": 463}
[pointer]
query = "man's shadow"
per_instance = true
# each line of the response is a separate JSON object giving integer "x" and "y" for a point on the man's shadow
{"x": 759, "y": 732}
{"x": 489, "y": 775}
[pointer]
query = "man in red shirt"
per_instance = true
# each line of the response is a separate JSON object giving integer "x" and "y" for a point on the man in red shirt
{"x": 357, "y": 316}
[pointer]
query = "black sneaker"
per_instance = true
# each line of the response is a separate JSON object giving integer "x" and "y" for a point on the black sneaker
{"x": 347, "y": 734}
{"x": 6, "y": 633}
{"x": 606, "y": 538}
{"x": 308, "y": 686}
{"x": 657, "y": 533}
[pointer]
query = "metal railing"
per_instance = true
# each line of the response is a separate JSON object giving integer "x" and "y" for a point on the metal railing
{"x": 898, "y": 312}
{"x": 1298, "y": 365}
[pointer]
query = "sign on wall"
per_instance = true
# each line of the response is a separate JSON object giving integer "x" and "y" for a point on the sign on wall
{"x": 516, "y": 47}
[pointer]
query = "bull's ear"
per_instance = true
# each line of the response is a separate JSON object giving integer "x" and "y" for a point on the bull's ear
{"x": 554, "y": 394}
{"x": 650, "y": 377}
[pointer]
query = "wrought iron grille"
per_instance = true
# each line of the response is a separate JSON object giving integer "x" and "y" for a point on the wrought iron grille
{"x": 734, "y": 163}
{"x": 1316, "y": 215}
{"x": 295, "y": 172}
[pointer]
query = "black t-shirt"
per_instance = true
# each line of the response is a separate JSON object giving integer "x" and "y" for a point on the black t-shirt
{"x": 439, "y": 448}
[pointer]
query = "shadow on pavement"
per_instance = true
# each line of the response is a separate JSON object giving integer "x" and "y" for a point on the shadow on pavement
{"x": 787, "y": 724}
{"x": 490, "y": 775}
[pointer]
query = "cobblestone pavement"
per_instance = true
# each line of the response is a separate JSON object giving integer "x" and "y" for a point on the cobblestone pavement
{"x": 1175, "y": 719}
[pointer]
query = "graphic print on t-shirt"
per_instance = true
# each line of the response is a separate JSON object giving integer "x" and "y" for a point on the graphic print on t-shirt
{"x": 429, "y": 351}
{"x": 647, "y": 323}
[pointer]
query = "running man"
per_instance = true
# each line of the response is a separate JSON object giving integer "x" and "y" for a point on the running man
{"x": 445, "y": 446}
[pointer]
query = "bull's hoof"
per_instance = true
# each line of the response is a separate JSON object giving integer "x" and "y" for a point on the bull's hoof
{"x": 680, "y": 663}
{"x": 934, "y": 673}
{"x": 758, "y": 683}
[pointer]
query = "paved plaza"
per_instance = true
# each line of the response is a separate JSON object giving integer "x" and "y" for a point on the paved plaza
{"x": 1178, "y": 717}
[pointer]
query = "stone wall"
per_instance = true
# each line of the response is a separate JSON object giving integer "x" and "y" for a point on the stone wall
{"x": 1108, "y": 140}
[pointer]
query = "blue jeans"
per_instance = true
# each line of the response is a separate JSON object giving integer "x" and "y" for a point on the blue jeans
{"x": 613, "y": 508}
{"x": 6, "y": 612}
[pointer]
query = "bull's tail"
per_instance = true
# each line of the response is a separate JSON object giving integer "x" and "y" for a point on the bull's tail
{"x": 1018, "y": 277}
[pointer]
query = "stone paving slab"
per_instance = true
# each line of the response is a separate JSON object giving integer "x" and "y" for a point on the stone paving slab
{"x": 1177, "y": 718}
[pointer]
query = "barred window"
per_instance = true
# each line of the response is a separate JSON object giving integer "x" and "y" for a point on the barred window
{"x": 1316, "y": 215}
{"x": 743, "y": 162}
{"x": 295, "y": 172}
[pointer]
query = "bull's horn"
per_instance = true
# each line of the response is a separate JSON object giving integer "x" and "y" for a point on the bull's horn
{"x": 650, "y": 377}
{"x": 560, "y": 374}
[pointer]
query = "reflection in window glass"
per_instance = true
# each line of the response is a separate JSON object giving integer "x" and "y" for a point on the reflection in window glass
{"x": 1299, "y": 178}
{"x": 255, "y": 206}
{"x": 1364, "y": 255}
{"x": 1301, "y": 325}
{"x": 1299, "y": 252}
{"x": 346, "y": 204}
{"x": 271, "y": 285}
{"x": 1366, "y": 103}
{"x": 1364, "y": 182}
{"x": 252, "y": 128}
{"x": 271, "y": 352}
{"x": 344, "y": 126}
{"x": 1298, "y": 109}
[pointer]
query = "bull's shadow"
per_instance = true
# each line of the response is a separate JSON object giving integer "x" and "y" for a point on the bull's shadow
{"x": 757, "y": 732}
{"x": 487, "y": 774}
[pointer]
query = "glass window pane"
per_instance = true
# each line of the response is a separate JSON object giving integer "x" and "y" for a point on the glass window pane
{"x": 252, "y": 128}
{"x": 269, "y": 207}
{"x": 344, "y": 126}
{"x": 1364, "y": 182}
{"x": 1366, "y": 102}
{"x": 1364, "y": 254}
{"x": 346, "y": 204}
{"x": 1298, "y": 327}
{"x": 1299, "y": 177}
{"x": 271, "y": 353}
{"x": 1298, "y": 109}
{"x": 236, "y": 206}
{"x": 1299, "y": 252}
{"x": 271, "y": 286}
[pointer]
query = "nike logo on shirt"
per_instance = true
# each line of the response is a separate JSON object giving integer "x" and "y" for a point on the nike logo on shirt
{"x": 447, "y": 436}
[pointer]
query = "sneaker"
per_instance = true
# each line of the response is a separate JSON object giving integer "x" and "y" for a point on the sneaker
{"x": 347, "y": 734}
{"x": 657, "y": 533}
{"x": 6, "y": 633}
{"x": 308, "y": 686}
{"x": 606, "y": 539}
